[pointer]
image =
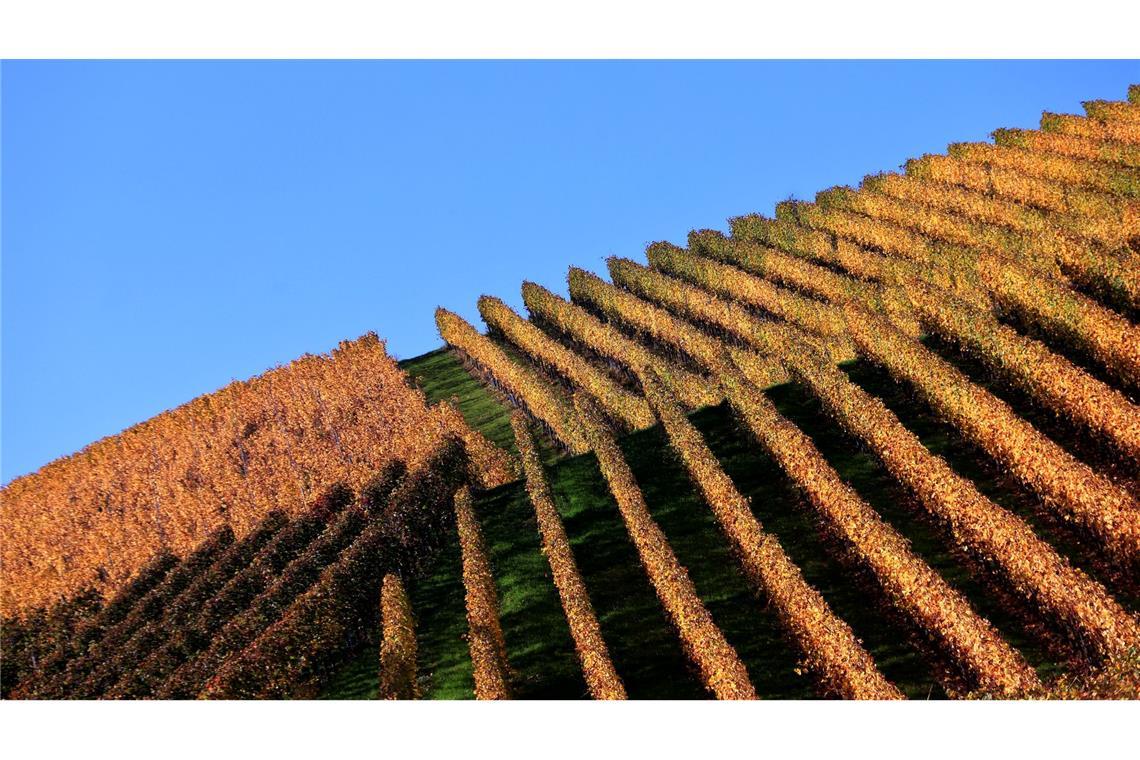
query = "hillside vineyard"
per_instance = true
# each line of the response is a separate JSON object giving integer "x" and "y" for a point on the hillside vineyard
{"x": 879, "y": 445}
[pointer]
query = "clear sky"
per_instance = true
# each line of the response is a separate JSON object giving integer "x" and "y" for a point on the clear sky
{"x": 170, "y": 226}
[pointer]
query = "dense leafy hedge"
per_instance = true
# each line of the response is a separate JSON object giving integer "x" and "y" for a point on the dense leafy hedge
{"x": 1075, "y": 172}
{"x": 823, "y": 320}
{"x": 1051, "y": 379}
{"x": 34, "y": 683}
{"x": 662, "y": 328}
{"x": 910, "y": 585}
{"x": 313, "y": 634}
{"x": 621, "y": 405}
{"x": 597, "y": 666}
{"x": 1081, "y": 211}
{"x": 1113, "y": 272}
{"x": 398, "y": 647}
{"x": 267, "y": 607}
{"x": 1067, "y": 486}
{"x": 593, "y": 335}
{"x": 119, "y": 676}
{"x": 829, "y": 645}
{"x": 993, "y": 535}
{"x": 70, "y": 683}
{"x": 485, "y": 640}
{"x": 275, "y": 441}
{"x": 24, "y": 644}
{"x": 522, "y": 386}
{"x": 234, "y": 597}
{"x": 721, "y": 669}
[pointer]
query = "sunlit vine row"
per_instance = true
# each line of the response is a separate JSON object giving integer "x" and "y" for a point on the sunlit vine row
{"x": 604, "y": 339}
{"x": 720, "y": 666}
{"x": 828, "y": 644}
{"x": 1040, "y": 300}
{"x": 619, "y": 403}
{"x": 597, "y": 667}
{"x": 799, "y": 273}
{"x": 1087, "y": 213}
{"x": 528, "y": 389}
{"x": 1052, "y": 380}
{"x": 1116, "y": 271}
{"x": 484, "y": 631}
{"x": 663, "y": 328}
{"x": 698, "y": 305}
{"x": 1126, "y": 112}
{"x": 820, "y": 319}
{"x": 1105, "y": 220}
{"x": 1073, "y": 146}
{"x": 1065, "y": 483}
{"x": 1083, "y": 126}
{"x": 1032, "y": 568}
{"x": 911, "y": 585}
{"x": 398, "y": 641}
{"x": 1105, "y": 178}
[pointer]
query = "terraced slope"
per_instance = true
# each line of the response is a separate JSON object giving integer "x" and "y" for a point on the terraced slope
{"x": 540, "y": 648}
{"x": 982, "y": 307}
{"x": 900, "y": 458}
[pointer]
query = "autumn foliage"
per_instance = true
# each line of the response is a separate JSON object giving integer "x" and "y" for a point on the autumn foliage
{"x": 601, "y": 678}
{"x": 912, "y": 586}
{"x": 828, "y": 644}
{"x": 225, "y": 459}
{"x": 721, "y": 669}
{"x": 484, "y": 632}
{"x": 517, "y": 382}
{"x": 620, "y": 404}
{"x": 300, "y": 648}
{"x": 1096, "y": 129}
{"x": 609, "y": 342}
{"x": 998, "y": 538}
{"x": 239, "y": 591}
{"x": 1054, "y": 381}
{"x": 244, "y": 544}
{"x": 1023, "y": 253}
{"x": 398, "y": 646}
{"x": 1065, "y": 483}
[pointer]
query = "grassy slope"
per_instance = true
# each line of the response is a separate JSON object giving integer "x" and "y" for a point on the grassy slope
{"x": 645, "y": 650}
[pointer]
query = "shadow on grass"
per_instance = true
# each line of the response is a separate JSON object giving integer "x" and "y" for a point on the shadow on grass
{"x": 442, "y": 377}
{"x": 644, "y": 647}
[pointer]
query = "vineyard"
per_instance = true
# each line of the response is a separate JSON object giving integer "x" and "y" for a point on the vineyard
{"x": 880, "y": 445}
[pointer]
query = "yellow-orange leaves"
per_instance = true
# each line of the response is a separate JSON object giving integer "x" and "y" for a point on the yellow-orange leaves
{"x": 908, "y": 582}
{"x": 995, "y": 536}
{"x": 1110, "y": 111}
{"x": 226, "y": 458}
{"x": 723, "y": 279}
{"x": 619, "y": 403}
{"x": 1073, "y": 146}
{"x": 398, "y": 647}
{"x": 1066, "y": 484}
{"x": 601, "y": 678}
{"x": 484, "y": 632}
{"x": 668, "y": 330}
{"x": 827, "y": 643}
{"x": 1083, "y": 126}
{"x": 1052, "y": 379}
{"x": 609, "y": 342}
{"x": 523, "y": 386}
{"x": 1105, "y": 178}
{"x": 721, "y": 669}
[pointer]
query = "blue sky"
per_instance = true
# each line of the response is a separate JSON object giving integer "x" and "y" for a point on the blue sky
{"x": 170, "y": 226}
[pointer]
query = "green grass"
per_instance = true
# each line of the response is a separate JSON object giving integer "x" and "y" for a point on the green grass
{"x": 442, "y": 378}
{"x": 644, "y": 648}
